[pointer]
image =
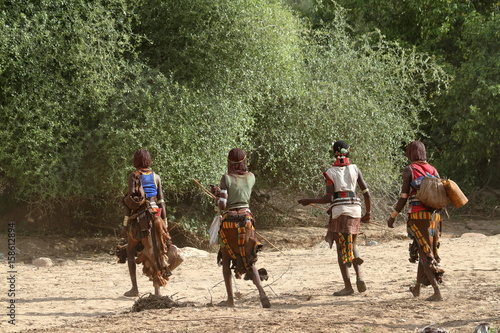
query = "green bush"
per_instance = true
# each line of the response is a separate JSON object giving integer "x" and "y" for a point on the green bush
{"x": 86, "y": 83}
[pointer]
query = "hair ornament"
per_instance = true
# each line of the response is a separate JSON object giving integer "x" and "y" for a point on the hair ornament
{"x": 236, "y": 162}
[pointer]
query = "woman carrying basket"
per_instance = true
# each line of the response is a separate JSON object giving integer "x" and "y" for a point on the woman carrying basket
{"x": 423, "y": 222}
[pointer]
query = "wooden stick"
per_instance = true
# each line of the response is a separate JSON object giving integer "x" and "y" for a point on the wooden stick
{"x": 213, "y": 196}
{"x": 204, "y": 189}
{"x": 318, "y": 207}
{"x": 264, "y": 238}
{"x": 175, "y": 226}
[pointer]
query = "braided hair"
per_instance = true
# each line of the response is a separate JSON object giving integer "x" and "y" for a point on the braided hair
{"x": 415, "y": 151}
{"x": 142, "y": 159}
{"x": 341, "y": 150}
{"x": 237, "y": 161}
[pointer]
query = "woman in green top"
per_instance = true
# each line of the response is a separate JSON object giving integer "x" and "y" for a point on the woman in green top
{"x": 237, "y": 233}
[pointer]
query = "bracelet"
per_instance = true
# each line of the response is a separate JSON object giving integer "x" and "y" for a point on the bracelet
{"x": 160, "y": 201}
{"x": 394, "y": 214}
{"x": 125, "y": 221}
{"x": 222, "y": 200}
{"x": 223, "y": 191}
{"x": 366, "y": 190}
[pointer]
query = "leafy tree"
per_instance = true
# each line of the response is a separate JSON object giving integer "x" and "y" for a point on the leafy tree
{"x": 365, "y": 90}
{"x": 61, "y": 61}
{"x": 465, "y": 134}
{"x": 76, "y": 103}
{"x": 256, "y": 52}
{"x": 462, "y": 37}
{"x": 236, "y": 47}
{"x": 86, "y": 83}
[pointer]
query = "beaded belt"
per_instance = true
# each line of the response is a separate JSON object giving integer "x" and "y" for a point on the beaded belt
{"x": 344, "y": 194}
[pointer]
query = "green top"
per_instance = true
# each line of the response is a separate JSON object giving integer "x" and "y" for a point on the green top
{"x": 239, "y": 188}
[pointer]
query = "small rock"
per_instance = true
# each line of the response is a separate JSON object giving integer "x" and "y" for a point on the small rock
{"x": 193, "y": 252}
{"x": 473, "y": 235}
{"x": 322, "y": 245}
{"x": 42, "y": 262}
{"x": 472, "y": 226}
{"x": 372, "y": 243}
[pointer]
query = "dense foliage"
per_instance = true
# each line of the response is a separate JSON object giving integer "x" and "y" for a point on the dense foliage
{"x": 462, "y": 130}
{"x": 86, "y": 83}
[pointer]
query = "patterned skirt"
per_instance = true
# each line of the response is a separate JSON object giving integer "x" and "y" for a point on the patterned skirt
{"x": 342, "y": 228}
{"x": 344, "y": 224}
{"x": 237, "y": 236}
{"x": 423, "y": 228}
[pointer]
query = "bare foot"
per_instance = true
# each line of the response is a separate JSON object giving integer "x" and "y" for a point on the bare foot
{"x": 361, "y": 286}
{"x": 132, "y": 293}
{"x": 435, "y": 298}
{"x": 264, "y": 300}
{"x": 357, "y": 261}
{"x": 344, "y": 292}
{"x": 227, "y": 303}
{"x": 415, "y": 291}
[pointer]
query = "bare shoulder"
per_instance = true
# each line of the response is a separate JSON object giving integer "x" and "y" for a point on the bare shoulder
{"x": 407, "y": 172}
{"x": 407, "y": 169}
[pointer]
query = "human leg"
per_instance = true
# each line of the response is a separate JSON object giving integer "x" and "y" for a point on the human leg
{"x": 131, "y": 248}
{"x": 423, "y": 232}
{"x": 415, "y": 290}
{"x": 343, "y": 270}
{"x": 430, "y": 274}
{"x": 360, "y": 283}
{"x": 226, "y": 272}
{"x": 258, "y": 283}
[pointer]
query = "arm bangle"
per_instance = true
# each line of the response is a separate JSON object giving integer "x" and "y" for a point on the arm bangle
{"x": 394, "y": 214}
{"x": 222, "y": 200}
{"x": 125, "y": 221}
{"x": 366, "y": 190}
{"x": 223, "y": 191}
{"x": 160, "y": 201}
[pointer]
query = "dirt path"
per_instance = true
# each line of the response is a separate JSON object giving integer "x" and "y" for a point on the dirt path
{"x": 83, "y": 291}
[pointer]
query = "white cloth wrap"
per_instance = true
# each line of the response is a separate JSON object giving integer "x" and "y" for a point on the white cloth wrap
{"x": 214, "y": 229}
{"x": 344, "y": 179}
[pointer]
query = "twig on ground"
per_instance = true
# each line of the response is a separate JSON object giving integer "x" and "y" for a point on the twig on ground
{"x": 264, "y": 238}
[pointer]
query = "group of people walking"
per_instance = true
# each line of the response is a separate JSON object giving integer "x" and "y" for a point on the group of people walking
{"x": 238, "y": 240}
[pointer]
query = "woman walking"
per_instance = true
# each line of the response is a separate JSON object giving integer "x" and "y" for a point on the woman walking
{"x": 345, "y": 214}
{"x": 423, "y": 222}
{"x": 238, "y": 241}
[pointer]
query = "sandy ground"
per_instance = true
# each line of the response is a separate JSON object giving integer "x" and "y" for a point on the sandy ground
{"x": 82, "y": 291}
